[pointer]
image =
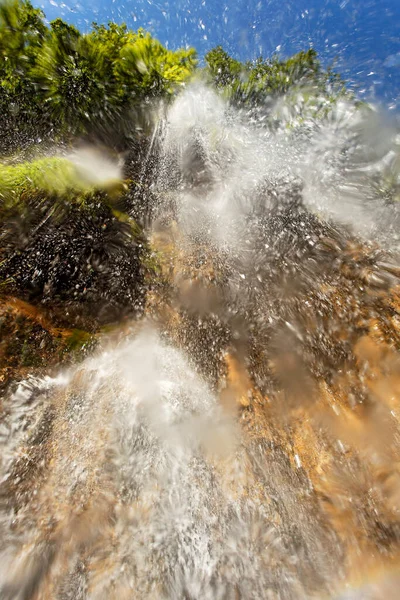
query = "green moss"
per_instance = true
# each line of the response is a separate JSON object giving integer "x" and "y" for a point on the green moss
{"x": 78, "y": 340}
{"x": 55, "y": 176}
{"x": 151, "y": 261}
{"x": 125, "y": 218}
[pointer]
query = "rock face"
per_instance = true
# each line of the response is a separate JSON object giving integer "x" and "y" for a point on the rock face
{"x": 31, "y": 343}
{"x": 83, "y": 255}
{"x": 69, "y": 250}
{"x": 267, "y": 397}
{"x": 174, "y": 428}
{"x": 302, "y": 342}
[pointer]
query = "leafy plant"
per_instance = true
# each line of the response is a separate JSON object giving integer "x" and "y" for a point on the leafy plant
{"x": 58, "y": 82}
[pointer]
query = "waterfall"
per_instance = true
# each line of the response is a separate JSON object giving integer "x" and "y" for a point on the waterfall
{"x": 167, "y": 464}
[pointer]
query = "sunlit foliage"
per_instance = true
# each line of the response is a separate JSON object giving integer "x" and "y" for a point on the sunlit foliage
{"x": 267, "y": 78}
{"x": 57, "y": 83}
{"x": 56, "y": 80}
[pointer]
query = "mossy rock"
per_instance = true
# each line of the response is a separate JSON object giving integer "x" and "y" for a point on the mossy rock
{"x": 68, "y": 245}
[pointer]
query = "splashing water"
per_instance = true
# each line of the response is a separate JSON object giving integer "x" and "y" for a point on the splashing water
{"x": 134, "y": 480}
{"x": 227, "y": 160}
{"x": 176, "y": 463}
{"x": 94, "y": 167}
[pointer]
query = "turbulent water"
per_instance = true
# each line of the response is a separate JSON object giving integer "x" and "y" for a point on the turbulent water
{"x": 152, "y": 470}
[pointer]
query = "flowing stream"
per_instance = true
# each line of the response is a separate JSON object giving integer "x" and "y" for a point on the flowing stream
{"x": 168, "y": 464}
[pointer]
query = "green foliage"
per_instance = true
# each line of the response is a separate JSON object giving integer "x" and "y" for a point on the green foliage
{"x": 22, "y": 34}
{"x": 148, "y": 65}
{"x": 223, "y": 69}
{"x": 68, "y": 75}
{"x": 265, "y": 79}
{"x": 56, "y": 80}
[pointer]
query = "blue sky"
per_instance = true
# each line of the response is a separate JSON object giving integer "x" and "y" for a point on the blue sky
{"x": 362, "y": 35}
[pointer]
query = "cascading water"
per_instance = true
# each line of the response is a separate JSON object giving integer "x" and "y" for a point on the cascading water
{"x": 153, "y": 469}
{"x": 145, "y": 487}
